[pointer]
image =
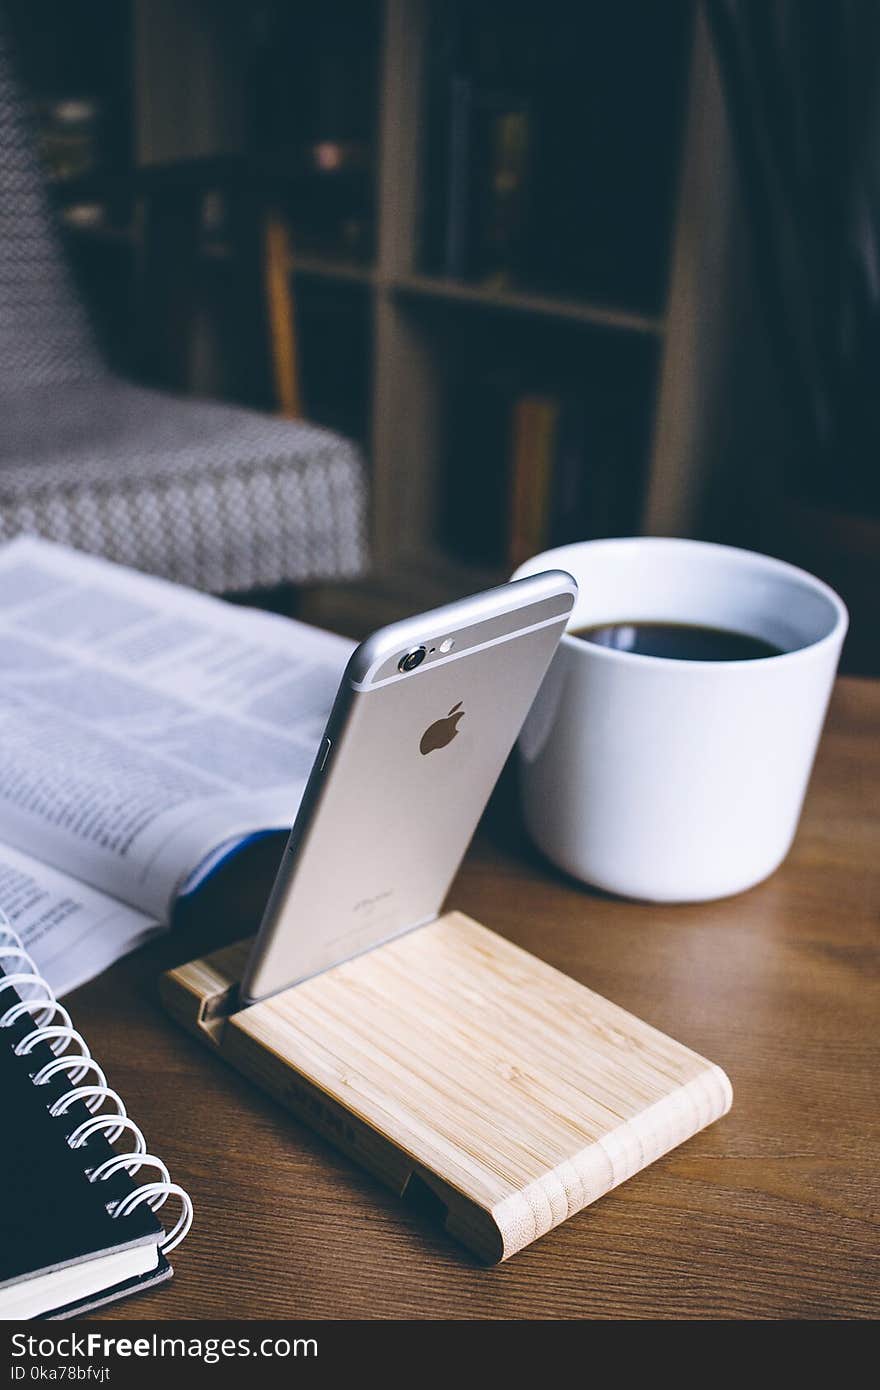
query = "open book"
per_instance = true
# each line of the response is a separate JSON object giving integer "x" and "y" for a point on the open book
{"x": 146, "y": 733}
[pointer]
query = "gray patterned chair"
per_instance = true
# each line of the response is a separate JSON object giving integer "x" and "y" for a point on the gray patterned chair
{"x": 216, "y": 496}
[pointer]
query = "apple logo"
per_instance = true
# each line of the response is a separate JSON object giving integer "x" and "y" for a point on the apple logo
{"x": 442, "y": 731}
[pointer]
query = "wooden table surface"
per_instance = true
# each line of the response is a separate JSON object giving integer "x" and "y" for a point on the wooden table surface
{"x": 770, "y": 1213}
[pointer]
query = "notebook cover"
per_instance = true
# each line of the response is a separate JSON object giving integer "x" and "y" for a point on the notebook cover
{"x": 52, "y": 1216}
{"x": 126, "y": 1289}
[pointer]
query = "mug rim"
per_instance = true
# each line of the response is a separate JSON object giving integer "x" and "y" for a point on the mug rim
{"x": 753, "y": 559}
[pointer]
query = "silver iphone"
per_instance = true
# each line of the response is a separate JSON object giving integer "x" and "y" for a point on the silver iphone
{"x": 425, "y": 717}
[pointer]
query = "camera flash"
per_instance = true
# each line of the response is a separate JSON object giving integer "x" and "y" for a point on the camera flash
{"x": 447, "y": 644}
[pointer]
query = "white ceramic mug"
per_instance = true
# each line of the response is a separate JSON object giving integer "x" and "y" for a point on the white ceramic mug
{"x": 669, "y": 780}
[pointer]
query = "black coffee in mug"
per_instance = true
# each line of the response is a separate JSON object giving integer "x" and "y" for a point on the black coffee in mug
{"x": 678, "y": 641}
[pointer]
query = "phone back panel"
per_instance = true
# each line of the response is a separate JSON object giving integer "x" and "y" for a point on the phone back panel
{"x": 412, "y": 761}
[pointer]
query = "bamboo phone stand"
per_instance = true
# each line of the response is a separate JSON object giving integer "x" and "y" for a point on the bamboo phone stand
{"x": 517, "y": 1095}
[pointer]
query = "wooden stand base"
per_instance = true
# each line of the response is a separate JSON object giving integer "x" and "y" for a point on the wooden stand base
{"x": 515, "y": 1094}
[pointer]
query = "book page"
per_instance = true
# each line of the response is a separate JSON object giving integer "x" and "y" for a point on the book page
{"x": 145, "y": 726}
{"x": 72, "y": 931}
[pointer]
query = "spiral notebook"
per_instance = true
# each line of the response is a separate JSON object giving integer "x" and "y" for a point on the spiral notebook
{"x": 79, "y": 1223}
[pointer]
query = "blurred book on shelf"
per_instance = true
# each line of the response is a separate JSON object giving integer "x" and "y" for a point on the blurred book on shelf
{"x": 502, "y": 144}
{"x": 572, "y": 510}
{"x": 542, "y": 170}
{"x": 475, "y": 478}
{"x": 458, "y": 193}
{"x": 533, "y": 441}
{"x": 568, "y": 465}
{"x": 478, "y": 146}
{"x": 528, "y": 469}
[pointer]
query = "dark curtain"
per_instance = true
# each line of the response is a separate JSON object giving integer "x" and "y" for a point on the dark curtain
{"x": 801, "y": 80}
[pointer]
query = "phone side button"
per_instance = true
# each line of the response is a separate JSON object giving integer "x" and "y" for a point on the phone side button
{"x": 324, "y": 754}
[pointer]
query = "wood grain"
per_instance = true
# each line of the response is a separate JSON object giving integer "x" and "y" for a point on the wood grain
{"x": 513, "y": 1094}
{"x": 772, "y": 1213}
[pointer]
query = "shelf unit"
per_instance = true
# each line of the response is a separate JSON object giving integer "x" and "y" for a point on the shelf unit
{"x": 406, "y": 393}
{"x": 414, "y": 316}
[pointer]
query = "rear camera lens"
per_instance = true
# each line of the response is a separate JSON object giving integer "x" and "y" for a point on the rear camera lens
{"x": 412, "y": 659}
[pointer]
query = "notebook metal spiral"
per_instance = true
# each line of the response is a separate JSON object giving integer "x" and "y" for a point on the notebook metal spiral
{"x": 54, "y": 1028}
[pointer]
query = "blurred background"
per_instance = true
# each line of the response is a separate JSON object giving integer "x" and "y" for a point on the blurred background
{"x": 558, "y": 270}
